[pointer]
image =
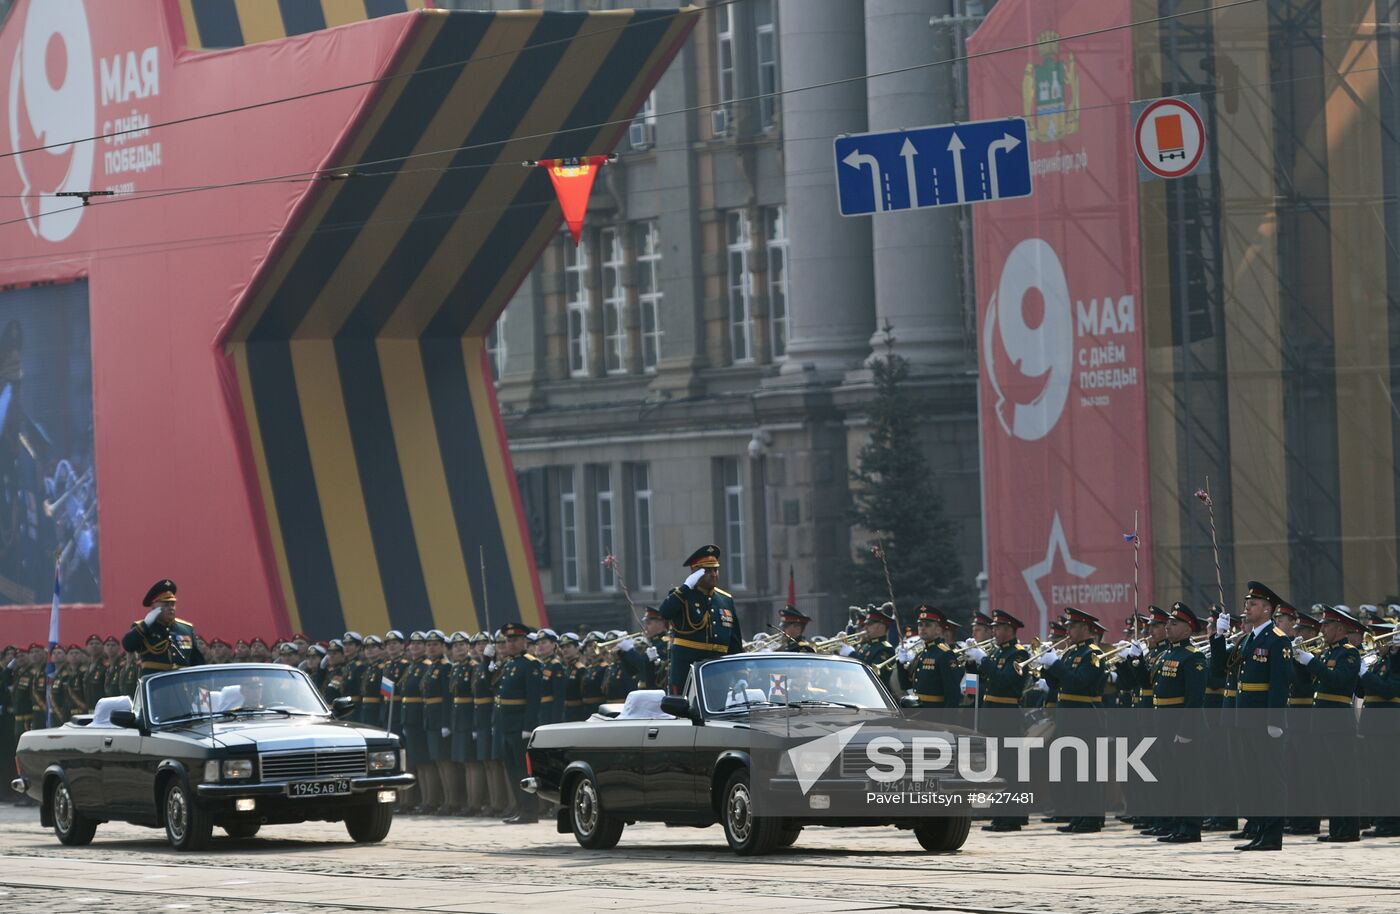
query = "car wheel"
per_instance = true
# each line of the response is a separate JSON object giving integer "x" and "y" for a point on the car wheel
{"x": 748, "y": 835}
{"x": 70, "y": 826}
{"x": 187, "y": 826}
{"x": 593, "y": 828}
{"x": 241, "y": 829}
{"x": 370, "y": 824}
{"x": 788, "y": 836}
{"x": 943, "y": 835}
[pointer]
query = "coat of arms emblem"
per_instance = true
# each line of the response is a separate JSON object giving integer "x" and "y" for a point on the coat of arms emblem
{"x": 1050, "y": 92}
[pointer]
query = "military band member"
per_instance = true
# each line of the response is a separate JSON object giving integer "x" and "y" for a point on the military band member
{"x": 1078, "y": 676}
{"x": 876, "y": 648}
{"x": 931, "y": 670}
{"x": 1179, "y": 688}
{"x": 161, "y": 641}
{"x": 1336, "y": 672}
{"x": 658, "y": 652}
{"x": 1300, "y": 627}
{"x": 1265, "y": 665}
{"x": 518, "y": 695}
{"x": 1380, "y": 685}
{"x": 1001, "y": 681}
{"x": 703, "y": 619}
{"x": 792, "y": 623}
{"x": 982, "y": 625}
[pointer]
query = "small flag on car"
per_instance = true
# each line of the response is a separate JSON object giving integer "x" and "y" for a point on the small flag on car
{"x": 386, "y": 687}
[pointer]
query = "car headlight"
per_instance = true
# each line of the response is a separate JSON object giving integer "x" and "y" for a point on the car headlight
{"x": 237, "y": 768}
{"x": 383, "y": 761}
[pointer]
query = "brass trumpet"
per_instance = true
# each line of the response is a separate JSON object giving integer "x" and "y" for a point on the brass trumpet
{"x": 1033, "y": 658}
{"x": 986, "y": 644}
{"x": 836, "y": 642}
{"x": 635, "y": 636}
{"x": 761, "y": 641}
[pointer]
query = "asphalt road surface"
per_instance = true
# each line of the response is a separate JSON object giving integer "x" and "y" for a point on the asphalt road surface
{"x": 474, "y": 865}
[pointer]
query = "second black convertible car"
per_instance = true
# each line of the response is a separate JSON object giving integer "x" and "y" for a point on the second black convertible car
{"x": 690, "y": 760}
{"x": 237, "y": 746}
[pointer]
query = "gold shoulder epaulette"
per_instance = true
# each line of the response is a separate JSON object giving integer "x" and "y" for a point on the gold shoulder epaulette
{"x": 942, "y": 646}
{"x": 725, "y": 593}
{"x": 184, "y": 622}
{"x": 1278, "y": 631}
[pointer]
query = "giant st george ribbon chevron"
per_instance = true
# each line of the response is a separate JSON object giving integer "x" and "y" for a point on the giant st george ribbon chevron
{"x": 294, "y": 414}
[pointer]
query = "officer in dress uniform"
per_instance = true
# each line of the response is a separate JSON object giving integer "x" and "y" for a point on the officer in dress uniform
{"x": 94, "y": 672}
{"x": 555, "y": 679}
{"x": 161, "y": 641}
{"x": 792, "y": 622}
{"x": 703, "y": 619}
{"x": 982, "y": 625}
{"x": 1078, "y": 675}
{"x": 408, "y": 693}
{"x": 1380, "y": 685}
{"x": 437, "y": 732}
{"x": 1179, "y": 688}
{"x": 1265, "y": 674}
{"x": 876, "y": 648}
{"x": 1336, "y": 672}
{"x": 484, "y": 701}
{"x": 333, "y": 684}
{"x": 1001, "y": 681}
{"x": 396, "y": 664}
{"x": 627, "y": 668}
{"x": 931, "y": 669}
{"x": 370, "y": 710}
{"x": 355, "y": 669}
{"x": 658, "y": 652}
{"x": 461, "y": 722}
{"x": 518, "y": 695}
{"x": 1300, "y": 626}
{"x": 571, "y": 656}
{"x": 1132, "y": 665}
{"x": 111, "y": 671}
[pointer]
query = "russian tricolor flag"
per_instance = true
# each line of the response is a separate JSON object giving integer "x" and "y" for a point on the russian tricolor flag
{"x": 386, "y": 687}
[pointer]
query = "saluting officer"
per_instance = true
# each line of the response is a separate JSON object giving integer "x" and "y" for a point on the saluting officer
{"x": 792, "y": 622}
{"x": 1179, "y": 676}
{"x": 704, "y": 622}
{"x": 518, "y": 695}
{"x": 161, "y": 641}
{"x": 931, "y": 670}
{"x": 1336, "y": 672}
{"x": 1265, "y": 673}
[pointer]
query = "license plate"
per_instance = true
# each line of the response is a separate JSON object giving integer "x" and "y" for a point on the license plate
{"x": 319, "y": 788}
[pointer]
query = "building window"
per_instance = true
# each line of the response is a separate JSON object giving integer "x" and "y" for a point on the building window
{"x": 641, "y": 523}
{"x": 496, "y": 347}
{"x": 724, "y": 48}
{"x": 775, "y": 235}
{"x": 603, "y": 480}
{"x": 576, "y": 301}
{"x": 740, "y": 284}
{"x": 765, "y": 16}
{"x": 568, "y": 528}
{"x": 733, "y": 521}
{"x": 648, "y": 247}
{"x": 614, "y": 330}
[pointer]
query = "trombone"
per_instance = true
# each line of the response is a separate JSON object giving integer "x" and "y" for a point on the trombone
{"x": 913, "y": 643}
{"x": 986, "y": 645}
{"x": 1033, "y": 659}
{"x": 635, "y": 636}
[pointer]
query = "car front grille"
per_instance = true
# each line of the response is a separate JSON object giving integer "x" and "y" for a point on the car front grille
{"x": 855, "y": 761}
{"x": 325, "y": 763}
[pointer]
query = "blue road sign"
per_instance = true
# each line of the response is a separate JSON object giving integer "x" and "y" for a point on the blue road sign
{"x": 933, "y": 166}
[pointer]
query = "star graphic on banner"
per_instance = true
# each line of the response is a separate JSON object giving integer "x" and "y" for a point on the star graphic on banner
{"x": 1033, "y": 575}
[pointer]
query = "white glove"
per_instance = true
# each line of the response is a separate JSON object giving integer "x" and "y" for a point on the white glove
{"x": 626, "y": 644}
{"x": 491, "y": 667}
{"x": 1302, "y": 656}
{"x": 490, "y": 649}
{"x": 1121, "y": 645}
{"x": 1135, "y": 649}
{"x": 1275, "y": 732}
{"x": 903, "y": 655}
{"x": 1222, "y": 624}
{"x": 695, "y": 575}
{"x": 1365, "y": 665}
{"x": 525, "y": 734}
{"x": 476, "y": 734}
{"x": 446, "y": 733}
{"x": 1049, "y": 658}
{"x": 967, "y": 644}
{"x": 152, "y": 616}
{"x": 653, "y": 655}
{"x": 976, "y": 654}
{"x": 1112, "y": 676}
{"x": 1042, "y": 686}
{"x": 845, "y": 650}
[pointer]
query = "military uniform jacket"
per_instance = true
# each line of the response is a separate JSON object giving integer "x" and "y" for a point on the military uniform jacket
{"x": 797, "y": 645}
{"x": 1078, "y": 676}
{"x": 934, "y": 675}
{"x": 1265, "y": 670}
{"x": 370, "y": 696}
{"x": 873, "y": 653}
{"x": 998, "y": 679}
{"x": 130, "y": 675}
{"x": 1381, "y": 686}
{"x": 1224, "y": 669}
{"x": 702, "y": 625}
{"x": 459, "y": 691}
{"x": 22, "y": 697}
{"x": 159, "y": 648}
{"x": 409, "y": 691}
{"x": 71, "y": 680}
{"x": 95, "y": 682}
{"x": 518, "y": 693}
{"x": 591, "y": 684}
{"x": 556, "y": 685}
{"x": 396, "y": 670}
{"x": 483, "y": 698}
{"x": 1336, "y": 672}
{"x": 354, "y": 671}
{"x": 1179, "y": 677}
{"x": 436, "y": 695}
{"x": 333, "y": 685}
{"x": 45, "y": 696}
{"x": 573, "y": 689}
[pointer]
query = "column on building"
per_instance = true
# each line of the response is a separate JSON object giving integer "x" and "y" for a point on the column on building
{"x": 832, "y": 311}
{"x": 917, "y": 255}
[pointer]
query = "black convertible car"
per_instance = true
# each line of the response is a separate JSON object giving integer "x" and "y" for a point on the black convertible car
{"x": 237, "y": 746}
{"x": 690, "y": 760}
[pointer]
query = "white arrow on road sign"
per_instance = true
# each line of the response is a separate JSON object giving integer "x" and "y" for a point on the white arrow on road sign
{"x": 856, "y": 160}
{"x": 1005, "y": 144}
{"x": 906, "y": 152}
{"x": 956, "y": 147}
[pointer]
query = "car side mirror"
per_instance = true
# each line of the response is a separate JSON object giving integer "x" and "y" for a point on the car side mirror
{"x": 342, "y": 706}
{"x": 125, "y": 719}
{"x": 676, "y": 706}
{"x": 908, "y": 701}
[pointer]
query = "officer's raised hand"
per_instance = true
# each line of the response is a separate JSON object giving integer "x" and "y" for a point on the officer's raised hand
{"x": 694, "y": 578}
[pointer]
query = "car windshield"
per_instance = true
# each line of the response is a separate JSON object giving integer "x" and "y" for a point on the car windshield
{"x": 231, "y": 691}
{"x": 780, "y": 681}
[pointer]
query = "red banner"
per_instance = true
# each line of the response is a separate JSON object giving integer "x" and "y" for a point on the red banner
{"x": 1064, "y": 414}
{"x": 573, "y": 184}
